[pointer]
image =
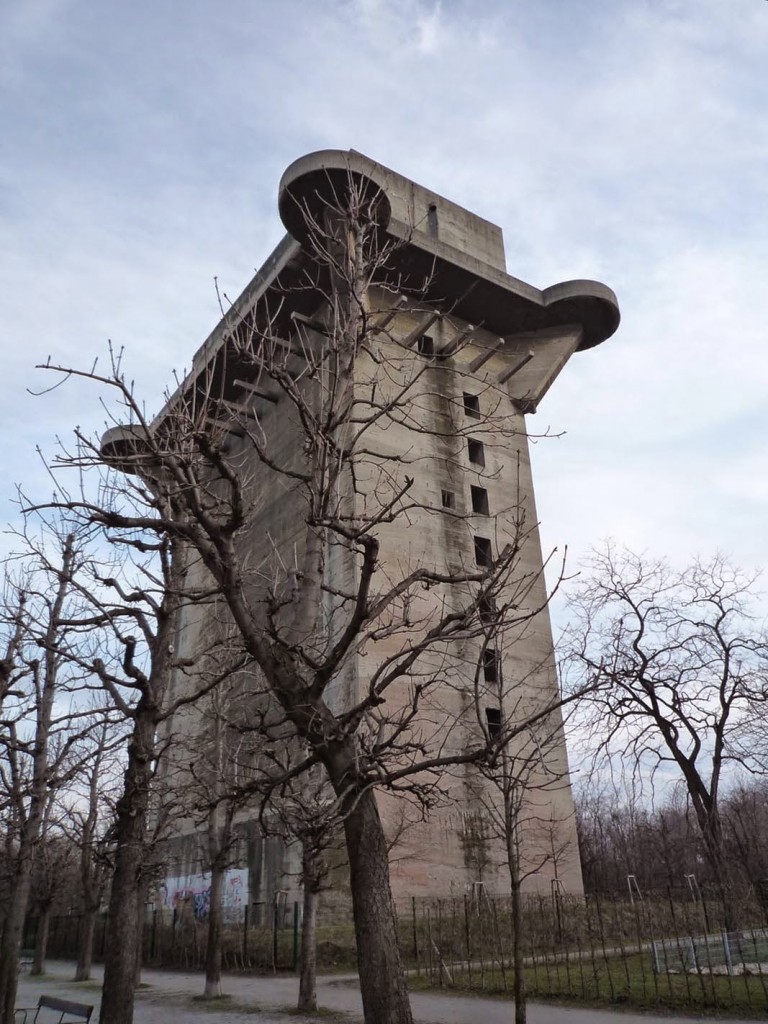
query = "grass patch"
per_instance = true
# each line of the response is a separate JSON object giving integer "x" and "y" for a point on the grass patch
{"x": 336, "y": 949}
{"x": 322, "y": 1013}
{"x": 627, "y": 983}
{"x": 215, "y": 1005}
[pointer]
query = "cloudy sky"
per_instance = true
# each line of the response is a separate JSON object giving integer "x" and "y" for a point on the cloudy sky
{"x": 622, "y": 140}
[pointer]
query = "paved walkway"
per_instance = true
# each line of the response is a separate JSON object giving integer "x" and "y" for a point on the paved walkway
{"x": 169, "y": 996}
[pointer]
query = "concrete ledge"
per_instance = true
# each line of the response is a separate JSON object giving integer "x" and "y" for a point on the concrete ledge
{"x": 480, "y": 291}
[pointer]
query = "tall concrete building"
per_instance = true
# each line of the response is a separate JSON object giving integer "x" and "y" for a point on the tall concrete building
{"x": 457, "y": 356}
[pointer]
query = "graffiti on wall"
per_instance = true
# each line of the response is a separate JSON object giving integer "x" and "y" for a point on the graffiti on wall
{"x": 193, "y": 892}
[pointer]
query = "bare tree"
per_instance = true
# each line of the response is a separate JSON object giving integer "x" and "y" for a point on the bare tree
{"x": 122, "y": 637}
{"x": 297, "y": 520}
{"x": 305, "y": 810}
{"x": 627, "y": 842}
{"x": 679, "y": 662}
{"x": 745, "y": 816}
{"x": 54, "y": 857}
{"x": 236, "y": 757}
{"x": 211, "y": 766}
{"x": 529, "y": 773}
{"x": 88, "y": 820}
{"x": 37, "y": 735}
{"x": 140, "y": 618}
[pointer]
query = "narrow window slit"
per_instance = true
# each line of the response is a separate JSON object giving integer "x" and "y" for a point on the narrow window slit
{"x": 472, "y": 406}
{"x": 493, "y": 722}
{"x": 426, "y": 345}
{"x": 483, "y": 555}
{"x": 490, "y": 665}
{"x": 480, "y": 501}
{"x": 476, "y": 451}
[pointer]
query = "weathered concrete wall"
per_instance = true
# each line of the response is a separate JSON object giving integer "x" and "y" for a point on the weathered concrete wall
{"x": 453, "y": 845}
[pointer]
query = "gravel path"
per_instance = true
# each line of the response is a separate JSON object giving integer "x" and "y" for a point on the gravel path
{"x": 167, "y": 997}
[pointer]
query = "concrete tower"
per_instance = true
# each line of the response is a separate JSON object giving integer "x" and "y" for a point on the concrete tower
{"x": 467, "y": 353}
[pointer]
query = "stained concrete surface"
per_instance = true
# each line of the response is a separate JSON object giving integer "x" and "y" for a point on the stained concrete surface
{"x": 169, "y": 996}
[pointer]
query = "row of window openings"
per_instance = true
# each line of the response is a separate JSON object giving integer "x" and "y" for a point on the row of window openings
{"x": 483, "y": 552}
{"x": 483, "y": 557}
{"x": 479, "y": 497}
{"x": 491, "y": 675}
{"x": 483, "y": 549}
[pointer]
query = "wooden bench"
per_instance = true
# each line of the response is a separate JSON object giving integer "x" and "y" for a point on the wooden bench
{"x": 65, "y": 1008}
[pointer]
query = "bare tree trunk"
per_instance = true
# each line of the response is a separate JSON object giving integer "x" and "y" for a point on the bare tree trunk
{"x": 308, "y": 979}
{"x": 13, "y": 934}
{"x": 85, "y": 945}
{"x": 122, "y": 953}
{"x": 45, "y": 676}
{"x": 122, "y": 958}
{"x": 722, "y": 886}
{"x": 511, "y": 827}
{"x": 141, "y": 903}
{"x": 91, "y": 876}
{"x": 708, "y": 818}
{"x": 213, "y": 947}
{"x": 382, "y": 980}
{"x": 519, "y": 991}
{"x": 41, "y": 939}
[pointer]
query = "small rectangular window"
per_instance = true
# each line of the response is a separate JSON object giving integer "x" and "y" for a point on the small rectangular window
{"x": 486, "y": 608}
{"x": 493, "y": 721}
{"x": 448, "y": 499}
{"x": 483, "y": 554}
{"x": 476, "y": 452}
{"x": 480, "y": 501}
{"x": 426, "y": 345}
{"x": 472, "y": 406}
{"x": 490, "y": 665}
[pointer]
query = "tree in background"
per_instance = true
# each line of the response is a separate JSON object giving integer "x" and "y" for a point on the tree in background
{"x": 88, "y": 822}
{"x": 51, "y": 873}
{"x": 41, "y": 724}
{"x": 625, "y": 841}
{"x": 525, "y": 777}
{"x": 211, "y": 770}
{"x": 679, "y": 667}
{"x": 122, "y": 639}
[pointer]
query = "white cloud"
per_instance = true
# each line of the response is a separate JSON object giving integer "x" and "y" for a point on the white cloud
{"x": 430, "y": 30}
{"x": 619, "y": 140}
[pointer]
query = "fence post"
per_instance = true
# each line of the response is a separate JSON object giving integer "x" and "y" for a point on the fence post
{"x": 246, "y": 908}
{"x": 295, "y": 934}
{"x": 727, "y": 952}
{"x": 415, "y": 935}
{"x": 467, "y": 939}
{"x": 274, "y": 935}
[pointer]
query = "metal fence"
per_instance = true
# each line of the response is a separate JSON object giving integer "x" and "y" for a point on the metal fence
{"x": 654, "y": 949}
{"x": 667, "y": 949}
{"x": 256, "y": 942}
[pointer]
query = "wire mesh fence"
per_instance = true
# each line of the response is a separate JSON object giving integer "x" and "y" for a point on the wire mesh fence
{"x": 659, "y": 949}
{"x": 252, "y": 942}
{"x": 664, "y": 949}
